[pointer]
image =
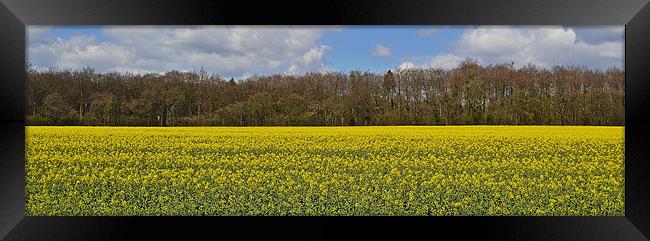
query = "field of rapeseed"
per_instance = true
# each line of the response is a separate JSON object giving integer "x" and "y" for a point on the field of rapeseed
{"x": 461, "y": 170}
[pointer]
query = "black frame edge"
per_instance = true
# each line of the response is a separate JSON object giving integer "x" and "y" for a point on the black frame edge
{"x": 332, "y": 12}
{"x": 637, "y": 132}
{"x": 12, "y": 136}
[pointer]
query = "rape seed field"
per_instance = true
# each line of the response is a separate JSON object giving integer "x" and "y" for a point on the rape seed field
{"x": 454, "y": 170}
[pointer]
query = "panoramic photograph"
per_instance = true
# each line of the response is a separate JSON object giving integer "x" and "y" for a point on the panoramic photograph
{"x": 325, "y": 121}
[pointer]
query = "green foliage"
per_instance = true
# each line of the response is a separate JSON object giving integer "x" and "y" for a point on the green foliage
{"x": 469, "y": 94}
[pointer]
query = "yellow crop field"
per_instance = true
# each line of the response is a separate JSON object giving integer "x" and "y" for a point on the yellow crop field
{"x": 408, "y": 170}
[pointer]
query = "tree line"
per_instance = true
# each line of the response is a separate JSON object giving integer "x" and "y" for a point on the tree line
{"x": 470, "y": 94}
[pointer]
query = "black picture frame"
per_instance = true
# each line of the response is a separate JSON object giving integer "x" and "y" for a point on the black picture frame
{"x": 16, "y": 14}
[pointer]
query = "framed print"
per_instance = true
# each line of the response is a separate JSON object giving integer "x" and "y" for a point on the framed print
{"x": 360, "y": 119}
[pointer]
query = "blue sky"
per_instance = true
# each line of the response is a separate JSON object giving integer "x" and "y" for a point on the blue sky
{"x": 240, "y": 51}
{"x": 352, "y": 48}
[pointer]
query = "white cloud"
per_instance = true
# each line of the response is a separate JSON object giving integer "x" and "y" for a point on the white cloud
{"x": 227, "y": 51}
{"x": 428, "y": 32}
{"x": 406, "y": 65}
{"x": 600, "y": 34}
{"x": 447, "y": 61}
{"x": 95, "y": 54}
{"x": 544, "y": 46}
{"x": 38, "y": 34}
{"x": 381, "y": 51}
{"x": 77, "y": 52}
{"x": 315, "y": 54}
{"x": 238, "y": 51}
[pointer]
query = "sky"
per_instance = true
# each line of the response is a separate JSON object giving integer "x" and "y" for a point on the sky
{"x": 242, "y": 51}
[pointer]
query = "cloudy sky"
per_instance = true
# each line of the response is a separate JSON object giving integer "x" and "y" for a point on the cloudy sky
{"x": 240, "y": 51}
